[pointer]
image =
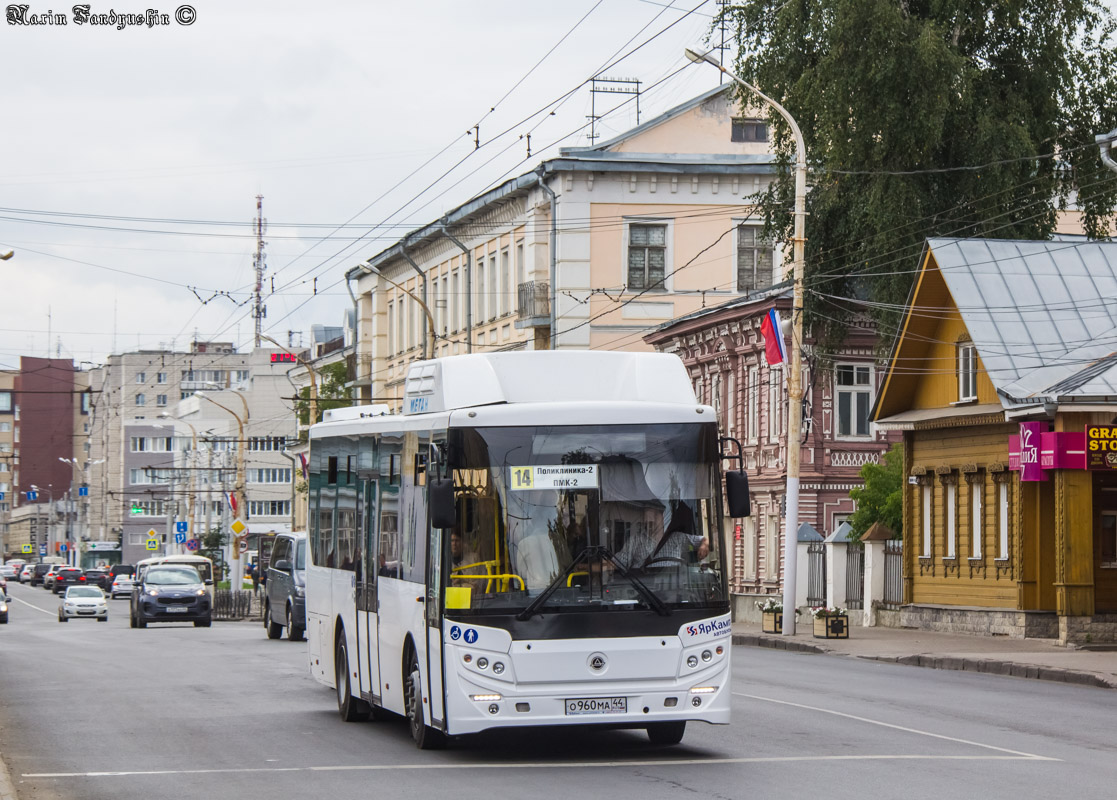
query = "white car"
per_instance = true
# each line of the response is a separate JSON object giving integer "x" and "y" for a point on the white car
{"x": 121, "y": 586}
{"x": 25, "y": 575}
{"x": 83, "y": 601}
{"x": 8, "y": 571}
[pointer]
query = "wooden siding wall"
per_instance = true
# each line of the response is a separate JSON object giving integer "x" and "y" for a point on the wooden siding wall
{"x": 937, "y": 387}
{"x": 964, "y": 457}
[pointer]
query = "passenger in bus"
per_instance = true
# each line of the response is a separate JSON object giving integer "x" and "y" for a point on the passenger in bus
{"x": 463, "y": 562}
{"x": 647, "y": 549}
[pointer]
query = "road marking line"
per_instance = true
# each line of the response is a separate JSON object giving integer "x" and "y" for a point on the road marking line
{"x": 30, "y": 605}
{"x": 898, "y": 727}
{"x": 534, "y": 765}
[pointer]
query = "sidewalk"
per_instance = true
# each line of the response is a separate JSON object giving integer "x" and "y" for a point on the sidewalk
{"x": 1022, "y": 658}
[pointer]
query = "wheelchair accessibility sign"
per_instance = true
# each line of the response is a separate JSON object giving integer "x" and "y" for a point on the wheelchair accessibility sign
{"x": 470, "y": 634}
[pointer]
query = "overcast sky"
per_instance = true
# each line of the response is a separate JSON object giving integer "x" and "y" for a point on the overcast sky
{"x": 132, "y": 158}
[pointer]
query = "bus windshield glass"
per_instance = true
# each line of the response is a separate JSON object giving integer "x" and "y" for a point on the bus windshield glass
{"x": 610, "y": 518}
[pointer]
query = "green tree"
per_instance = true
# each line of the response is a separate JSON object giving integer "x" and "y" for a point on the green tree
{"x": 332, "y": 391}
{"x": 928, "y": 118}
{"x": 213, "y": 547}
{"x": 882, "y": 498}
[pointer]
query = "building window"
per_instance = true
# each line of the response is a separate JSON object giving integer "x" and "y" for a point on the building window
{"x": 951, "y": 491}
{"x": 731, "y": 403}
{"x": 854, "y": 394}
{"x": 269, "y": 475}
{"x": 160, "y": 377}
{"x": 752, "y": 392}
{"x": 494, "y": 289}
{"x": 455, "y": 300}
{"x": 775, "y": 404}
{"x": 240, "y": 376}
{"x": 184, "y": 395}
{"x": 160, "y": 399}
{"x": 480, "y": 289}
{"x": 977, "y": 520}
{"x": 754, "y": 259}
{"x": 1002, "y": 520}
{"x": 772, "y": 548}
{"x": 506, "y": 288}
{"x": 269, "y": 508}
{"x": 5, "y": 402}
{"x": 5, "y": 427}
{"x": 140, "y": 399}
{"x": 267, "y": 443}
{"x": 519, "y": 262}
{"x": 749, "y": 130}
{"x": 141, "y": 377}
{"x": 967, "y": 372}
{"x": 647, "y": 257}
{"x": 928, "y": 490}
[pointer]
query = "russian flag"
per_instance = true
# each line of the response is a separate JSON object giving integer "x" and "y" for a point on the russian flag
{"x": 774, "y": 347}
{"x": 232, "y": 502}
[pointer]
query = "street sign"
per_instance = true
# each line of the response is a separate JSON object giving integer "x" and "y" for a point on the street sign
{"x": 83, "y": 491}
{"x": 1, "y": 495}
{"x": 181, "y": 527}
{"x": 243, "y": 541}
{"x": 62, "y": 548}
{"x": 152, "y": 544}
{"x": 32, "y": 496}
{"x": 238, "y": 527}
{"x": 26, "y": 549}
{"x": 180, "y": 538}
{"x": 192, "y": 544}
{"x": 42, "y": 549}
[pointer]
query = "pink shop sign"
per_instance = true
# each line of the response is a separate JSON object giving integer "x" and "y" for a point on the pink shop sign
{"x": 1057, "y": 450}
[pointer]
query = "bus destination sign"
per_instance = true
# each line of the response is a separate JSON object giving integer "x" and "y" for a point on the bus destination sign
{"x": 559, "y": 476}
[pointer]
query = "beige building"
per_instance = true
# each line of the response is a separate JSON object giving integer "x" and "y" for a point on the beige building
{"x": 592, "y": 249}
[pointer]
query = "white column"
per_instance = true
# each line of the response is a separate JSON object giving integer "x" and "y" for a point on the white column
{"x": 836, "y": 557}
{"x": 874, "y": 579}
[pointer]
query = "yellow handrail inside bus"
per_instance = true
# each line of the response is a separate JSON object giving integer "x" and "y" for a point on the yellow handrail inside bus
{"x": 570, "y": 579}
{"x": 490, "y": 578}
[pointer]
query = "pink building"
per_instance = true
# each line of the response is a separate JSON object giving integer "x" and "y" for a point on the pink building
{"x": 723, "y": 350}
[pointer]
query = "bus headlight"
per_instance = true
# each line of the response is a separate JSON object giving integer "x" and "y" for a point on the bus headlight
{"x": 482, "y": 662}
{"x": 498, "y": 668}
{"x": 484, "y": 698}
{"x": 692, "y": 661}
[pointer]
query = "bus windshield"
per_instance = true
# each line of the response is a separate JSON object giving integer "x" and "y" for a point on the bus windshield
{"x": 611, "y": 518}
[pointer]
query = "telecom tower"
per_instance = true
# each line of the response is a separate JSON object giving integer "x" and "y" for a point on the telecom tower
{"x": 259, "y": 310}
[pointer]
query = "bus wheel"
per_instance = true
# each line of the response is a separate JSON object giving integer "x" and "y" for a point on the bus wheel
{"x": 666, "y": 732}
{"x": 426, "y": 737}
{"x": 274, "y": 630}
{"x": 352, "y": 709}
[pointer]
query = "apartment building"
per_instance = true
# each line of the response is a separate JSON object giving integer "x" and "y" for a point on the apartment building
{"x": 591, "y": 250}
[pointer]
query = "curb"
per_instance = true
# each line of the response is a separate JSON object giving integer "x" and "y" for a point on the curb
{"x": 988, "y": 666}
{"x": 7, "y": 790}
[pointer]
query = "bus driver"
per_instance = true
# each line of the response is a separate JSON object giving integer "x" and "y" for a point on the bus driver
{"x": 645, "y": 548}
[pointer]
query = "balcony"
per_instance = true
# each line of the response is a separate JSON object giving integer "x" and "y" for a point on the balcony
{"x": 534, "y": 309}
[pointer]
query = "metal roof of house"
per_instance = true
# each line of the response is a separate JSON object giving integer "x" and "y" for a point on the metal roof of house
{"x": 1042, "y": 314}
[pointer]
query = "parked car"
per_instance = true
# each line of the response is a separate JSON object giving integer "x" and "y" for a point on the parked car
{"x": 170, "y": 593}
{"x": 121, "y": 586}
{"x": 285, "y": 587}
{"x": 65, "y": 577}
{"x": 98, "y": 577}
{"x": 83, "y": 601}
{"x": 26, "y": 573}
{"x": 7, "y": 571}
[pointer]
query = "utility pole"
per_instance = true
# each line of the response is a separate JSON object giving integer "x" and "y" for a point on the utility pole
{"x": 259, "y": 225}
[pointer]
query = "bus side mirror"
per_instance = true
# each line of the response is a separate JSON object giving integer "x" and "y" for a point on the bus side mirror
{"x": 737, "y": 493}
{"x": 443, "y": 512}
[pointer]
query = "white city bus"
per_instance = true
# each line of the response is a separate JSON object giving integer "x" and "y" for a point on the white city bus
{"x": 535, "y": 541}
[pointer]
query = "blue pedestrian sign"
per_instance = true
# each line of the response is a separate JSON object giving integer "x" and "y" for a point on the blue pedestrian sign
{"x": 32, "y": 496}
{"x": 180, "y": 527}
{"x": 470, "y": 636}
{"x": 83, "y": 491}
{"x": 180, "y": 538}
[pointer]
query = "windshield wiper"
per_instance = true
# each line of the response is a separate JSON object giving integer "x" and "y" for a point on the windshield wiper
{"x": 588, "y": 554}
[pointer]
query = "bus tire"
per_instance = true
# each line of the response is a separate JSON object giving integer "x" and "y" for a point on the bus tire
{"x": 294, "y": 632}
{"x": 274, "y": 630}
{"x": 426, "y": 737}
{"x": 666, "y": 732}
{"x": 352, "y": 709}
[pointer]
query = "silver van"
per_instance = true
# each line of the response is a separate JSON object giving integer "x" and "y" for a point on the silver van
{"x": 285, "y": 587}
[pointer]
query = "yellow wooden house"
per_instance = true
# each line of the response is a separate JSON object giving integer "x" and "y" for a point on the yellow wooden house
{"x": 1003, "y": 380}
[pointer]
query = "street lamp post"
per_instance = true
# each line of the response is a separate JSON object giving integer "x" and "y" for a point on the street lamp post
{"x": 427, "y": 349}
{"x": 795, "y": 368}
{"x": 235, "y": 579}
{"x": 192, "y": 494}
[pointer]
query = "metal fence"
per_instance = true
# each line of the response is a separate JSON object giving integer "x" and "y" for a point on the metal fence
{"x": 816, "y": 574}
{"x": 855, "y": 575}
{"x": 893, "y": 574}
{"x": 228, "y": 604}
{"x": 534, "y": 300}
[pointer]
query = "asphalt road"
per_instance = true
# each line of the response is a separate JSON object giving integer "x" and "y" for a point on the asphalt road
{"x": 91, "y": 710}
